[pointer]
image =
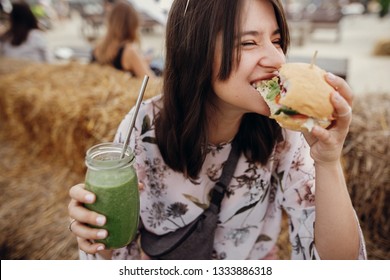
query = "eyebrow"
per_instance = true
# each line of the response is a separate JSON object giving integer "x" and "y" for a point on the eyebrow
{"x": 256, "y": 33}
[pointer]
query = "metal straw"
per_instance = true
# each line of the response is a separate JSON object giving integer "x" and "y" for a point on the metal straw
{"x": 132, "y": 123}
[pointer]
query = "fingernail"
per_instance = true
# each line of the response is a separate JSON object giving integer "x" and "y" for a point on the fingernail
{"x": 89, "y": 198}
{"x": 101, "y": 234}
{"x": 331, "y": 76}
{"x": 100, "y": 248}
{"x": 100, "y": 220}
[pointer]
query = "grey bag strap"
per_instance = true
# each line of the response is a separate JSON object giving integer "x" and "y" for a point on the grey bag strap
{"x": 227, "y": 173}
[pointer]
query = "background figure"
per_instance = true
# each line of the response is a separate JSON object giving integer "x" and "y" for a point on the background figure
{"x": 24, "y": 39}
{"x": 107, "y": 5}
{"x": 120, "y": 46}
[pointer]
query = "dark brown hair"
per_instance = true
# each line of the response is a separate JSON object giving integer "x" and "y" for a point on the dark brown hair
{"x": 22, "y": 21}
{"x": 181, "y": 127}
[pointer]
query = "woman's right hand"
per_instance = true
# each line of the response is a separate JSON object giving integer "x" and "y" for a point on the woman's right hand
{"x": 84, "y": 217}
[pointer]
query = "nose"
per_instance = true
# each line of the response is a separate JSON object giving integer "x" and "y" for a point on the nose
{"x": 272, "y": 56}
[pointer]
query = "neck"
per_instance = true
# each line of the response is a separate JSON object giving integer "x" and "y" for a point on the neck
{"x": 223, "y": 128}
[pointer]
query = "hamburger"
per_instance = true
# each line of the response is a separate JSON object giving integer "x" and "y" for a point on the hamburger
{"x": 299, "y": 97}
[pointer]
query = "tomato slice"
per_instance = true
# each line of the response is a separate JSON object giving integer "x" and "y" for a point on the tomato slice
{"x": 299, "y": 116}
{"x": 277, "y": 98}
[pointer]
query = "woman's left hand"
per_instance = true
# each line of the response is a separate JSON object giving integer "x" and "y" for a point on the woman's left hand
{"x": 327, "y": 144}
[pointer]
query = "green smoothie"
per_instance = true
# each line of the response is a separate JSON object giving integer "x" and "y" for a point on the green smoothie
{"x": 117, "y": 198}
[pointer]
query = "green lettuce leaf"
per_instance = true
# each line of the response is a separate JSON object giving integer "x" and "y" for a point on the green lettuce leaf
{"x": 271, "y": 87}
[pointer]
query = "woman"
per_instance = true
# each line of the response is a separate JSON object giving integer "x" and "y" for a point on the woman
{"x": 120, "y": 45}
{"x": 216, "y": 51}
{"x": 24, "y": 39}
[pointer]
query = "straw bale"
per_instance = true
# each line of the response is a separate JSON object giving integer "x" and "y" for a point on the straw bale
{"x": 367, "y": 167}
{"x": 65, "y": 109}
{"x": 49, "y": 116}
{"x": 12, "y": 65}
{"x": 34, "y": 200}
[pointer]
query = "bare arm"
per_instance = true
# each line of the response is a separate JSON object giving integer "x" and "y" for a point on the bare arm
{"x": 133, "y": 60}
{"x": 336, "y": 229}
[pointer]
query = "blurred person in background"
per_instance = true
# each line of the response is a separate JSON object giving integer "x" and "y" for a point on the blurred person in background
{"x": 24, "y": 39}
{"x": 107, "y": 5}
{"x": 120, "y": 47}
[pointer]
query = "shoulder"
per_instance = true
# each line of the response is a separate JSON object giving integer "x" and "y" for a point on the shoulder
{"x": 150, "y": 107}
{"x": 147, "y": 112}
{"x": 131, "y": 56}
{"x": 130, "y": 49}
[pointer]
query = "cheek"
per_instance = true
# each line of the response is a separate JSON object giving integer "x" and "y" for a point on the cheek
{"x": 237, "y": 91}
{"x": 241, "y": 96}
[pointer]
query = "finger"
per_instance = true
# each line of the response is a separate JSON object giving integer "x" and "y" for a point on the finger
{"x": 86, "y": 232}
{"x": 81, "y": 214}
{"x": 321, "y": 134}
{"x": 79, "y": 193}
{"x": 310, "y": 138}
{"x": 341, "y": 86}
{"x": 77, "y": 210}
{"x": 89, "y": 247}
{"x": 343, "y": 110}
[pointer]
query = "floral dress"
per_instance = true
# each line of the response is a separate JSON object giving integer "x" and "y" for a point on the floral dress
{"x": 251, "y": 211}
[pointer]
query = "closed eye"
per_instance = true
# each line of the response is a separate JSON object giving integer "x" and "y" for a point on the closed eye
{"x": 277, "y": 42}
{"x": 248, "y": 43}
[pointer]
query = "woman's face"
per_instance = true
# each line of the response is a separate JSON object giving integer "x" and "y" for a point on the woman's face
{"x": 261, "y": 56}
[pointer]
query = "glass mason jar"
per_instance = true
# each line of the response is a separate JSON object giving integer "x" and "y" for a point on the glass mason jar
{"x": 114, "y": 182}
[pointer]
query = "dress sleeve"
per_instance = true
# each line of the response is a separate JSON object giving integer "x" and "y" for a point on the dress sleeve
{"x": 296, "y": 171}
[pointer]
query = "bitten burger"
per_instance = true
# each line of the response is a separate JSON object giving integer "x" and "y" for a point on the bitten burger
{"x": 299, "y": 97}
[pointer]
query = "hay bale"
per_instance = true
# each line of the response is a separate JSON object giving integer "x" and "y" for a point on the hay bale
{"x": 34, "y": 202}
{"x": 49, "y": 116}
{"x": 65, "y": 109}
{"x": 367, "y": 167}
{"x": 12, "y": 65}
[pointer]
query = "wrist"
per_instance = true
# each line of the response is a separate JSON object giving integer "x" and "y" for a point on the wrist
{"x": 328, "y": 164}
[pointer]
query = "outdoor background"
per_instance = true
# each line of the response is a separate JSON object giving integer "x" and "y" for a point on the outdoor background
{"x": 51, "y": 113}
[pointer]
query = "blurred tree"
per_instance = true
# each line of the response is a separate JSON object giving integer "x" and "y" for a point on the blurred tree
{"x": 384, "y": 7}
